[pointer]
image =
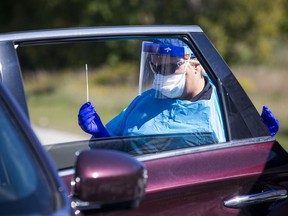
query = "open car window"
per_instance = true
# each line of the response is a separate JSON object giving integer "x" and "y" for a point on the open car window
{"x": 112, "y": 76}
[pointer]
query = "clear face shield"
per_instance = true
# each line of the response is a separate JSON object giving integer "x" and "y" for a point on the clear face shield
{"x": 163, "y": 68}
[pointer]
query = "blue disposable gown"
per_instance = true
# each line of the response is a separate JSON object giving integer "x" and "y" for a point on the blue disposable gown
{"x": 148, "y": 115}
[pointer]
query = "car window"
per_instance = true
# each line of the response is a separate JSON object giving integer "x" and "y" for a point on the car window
{"x": 23, "y": 186}
{"x": 121, "y": 86}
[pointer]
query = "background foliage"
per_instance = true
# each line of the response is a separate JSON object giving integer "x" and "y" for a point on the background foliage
{"x": 244, "y": 31}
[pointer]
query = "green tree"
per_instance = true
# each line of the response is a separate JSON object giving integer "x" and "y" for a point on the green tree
{"x": 244, "y": 31}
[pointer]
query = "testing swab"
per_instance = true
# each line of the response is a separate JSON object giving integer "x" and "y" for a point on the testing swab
{"x": 87, "y": 88}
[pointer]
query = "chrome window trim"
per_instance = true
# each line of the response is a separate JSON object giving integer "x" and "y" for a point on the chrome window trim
{"x": 74, "y": 34}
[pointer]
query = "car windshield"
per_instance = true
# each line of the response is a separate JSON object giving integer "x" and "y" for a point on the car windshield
{"x": 23, "y": 186}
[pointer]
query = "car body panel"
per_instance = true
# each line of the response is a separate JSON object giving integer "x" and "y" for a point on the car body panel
{"x": 181, "y": 180}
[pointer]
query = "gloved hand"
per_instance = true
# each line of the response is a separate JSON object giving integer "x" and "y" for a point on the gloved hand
{"x": 90, "y": 122}
{"x": 271, "y": 121}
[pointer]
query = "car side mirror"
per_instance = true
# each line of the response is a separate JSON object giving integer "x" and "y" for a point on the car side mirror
{"x": 106, "y": 179}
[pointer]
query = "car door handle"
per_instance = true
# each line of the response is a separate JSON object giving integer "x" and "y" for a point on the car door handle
{"x": 265, "y": 196}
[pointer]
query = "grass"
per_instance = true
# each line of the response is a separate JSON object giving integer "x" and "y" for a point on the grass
{"x": 54, "y": 100}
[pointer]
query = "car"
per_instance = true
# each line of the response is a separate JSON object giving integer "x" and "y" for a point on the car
{"x": 187, "y": 172}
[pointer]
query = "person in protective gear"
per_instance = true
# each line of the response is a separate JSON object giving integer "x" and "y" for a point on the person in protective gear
{"x": 179, "y": 98}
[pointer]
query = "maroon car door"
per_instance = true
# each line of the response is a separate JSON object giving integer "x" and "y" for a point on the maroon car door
{"x": 237, "y": 178}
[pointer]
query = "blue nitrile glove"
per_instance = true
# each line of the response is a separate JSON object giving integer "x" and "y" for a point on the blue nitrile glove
{"x": 269, "y": 119}
{"x": 90, "y": 122}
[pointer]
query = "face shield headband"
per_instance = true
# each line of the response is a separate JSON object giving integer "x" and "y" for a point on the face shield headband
{"x": 165, "y": 59}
